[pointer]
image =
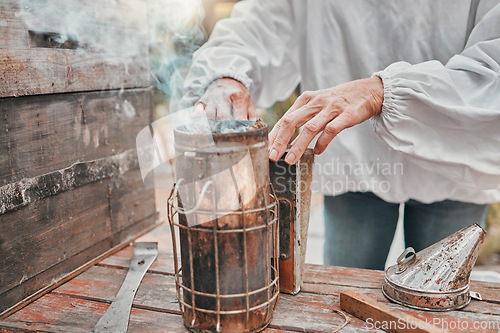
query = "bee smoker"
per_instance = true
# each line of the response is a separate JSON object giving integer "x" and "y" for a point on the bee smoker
{"x": 223, "y": 216}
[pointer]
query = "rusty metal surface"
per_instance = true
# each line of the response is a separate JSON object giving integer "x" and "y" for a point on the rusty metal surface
{"x": 436, "y": 278}
{"x": 293, "y": 188}
{"x": 285, "y": 220}
{"x": 227, "y": 231}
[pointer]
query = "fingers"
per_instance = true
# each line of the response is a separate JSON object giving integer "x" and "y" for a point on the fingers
{"x": 329, "y": 110}
{"x": 285, "y": 128}
{"x": 226, "y": 99}
{"x": 294, "y": 140}
{"x": 282, "y": 132}
{"x": 331, "y": 130}
{"x": 301, "y": 101}
{"x": 241, "y": 106}
{"x": 308, "y": 133}
{"x": 214, "y": 107}
{"x": 223, "y": 109}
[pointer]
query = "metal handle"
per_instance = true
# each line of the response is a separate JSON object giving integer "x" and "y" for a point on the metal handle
{"x": 195, "y": 208}
{"x": 404, "y": 261}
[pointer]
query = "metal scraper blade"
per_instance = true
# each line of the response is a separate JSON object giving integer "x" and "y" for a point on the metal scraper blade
{"x": 115, "y": 320}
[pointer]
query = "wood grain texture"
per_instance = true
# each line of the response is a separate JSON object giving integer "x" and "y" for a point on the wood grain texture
{"x": 43, "y": 134}
{"x": 22, "y": 193}
{"x": 146, "y": 226}
{"x": 331, "y": 280}
{"x": 70, "y": 187}
{"x": 164, "y": 264}
{"x": 309, "y": 313}
{"x": 479, "y": 308}
{"x": 55, "y": 235}
{"x": 49, "y": 279}
{"x": 312, "y": 310}
{"x": 366, "y": 308}
{"x": 156, "y": 292}
{"x": 60, "y": 313}
{"x": 109, "y": 47}
{"x": 303, "y": 312}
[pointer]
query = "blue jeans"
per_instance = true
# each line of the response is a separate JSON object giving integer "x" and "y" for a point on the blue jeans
{"x": 359, "y": 227}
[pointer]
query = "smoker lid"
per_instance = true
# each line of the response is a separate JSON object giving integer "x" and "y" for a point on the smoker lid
{"x": 233, "y": 135}
{"x": 206, "y": 125}
{"x": 436, "y": 278}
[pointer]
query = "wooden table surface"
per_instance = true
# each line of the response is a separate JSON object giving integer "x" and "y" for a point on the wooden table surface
{"x": 77, "y": 305}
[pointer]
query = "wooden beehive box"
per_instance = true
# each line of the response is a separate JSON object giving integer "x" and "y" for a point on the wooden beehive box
{"x": 71, "y": 105}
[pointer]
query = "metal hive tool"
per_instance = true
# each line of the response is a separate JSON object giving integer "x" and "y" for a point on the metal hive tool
{"x": 436, "y": 278}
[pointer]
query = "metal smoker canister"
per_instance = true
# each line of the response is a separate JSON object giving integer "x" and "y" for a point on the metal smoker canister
{"x": 436, "y": 278}
{"x": 227, "y": 226}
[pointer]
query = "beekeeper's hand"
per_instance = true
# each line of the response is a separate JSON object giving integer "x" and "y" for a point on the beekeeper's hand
{"x": 224, "y": 99}
{"x": 328, "y": 111}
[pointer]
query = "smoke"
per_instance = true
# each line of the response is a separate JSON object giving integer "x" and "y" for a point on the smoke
{"x": 175, "y": 34}
{"x": 123, "y": 31}
{"x": 103, "y": 27}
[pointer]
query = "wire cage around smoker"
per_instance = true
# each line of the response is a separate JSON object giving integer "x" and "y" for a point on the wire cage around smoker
{"x": 221, "y": 288}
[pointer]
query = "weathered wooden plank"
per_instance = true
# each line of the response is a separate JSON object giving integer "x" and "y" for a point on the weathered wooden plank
{"x": 164, "y": 263}
{"x": 68, "y": 230}
{"x": 156, "y": 292}
{"x": 476, "y": 311}
{"x": 130, "y": 199}
{"x": 306, "y": 312}
{"x": 310, "y": 310}
{"x": 22, "y": 193}
{"x": 68, "y": 46}
{"x": 37, "y": 286}
{"x": 366, "y": 308}
{"x": 140, "y": 228}
{"x": 29, "y": 289}
{"x": 327, "y": 279}
{"x": 343, "y": 276}
{"x": 489, "y": 291}
{"x": 303, "y": 312}
{"x": 484, "y": 307}
{"x": 43, "y": 134}
{"x": 52, "y": 230}
{"x": 60, "y": 313}
{"x": 46, "y": 230}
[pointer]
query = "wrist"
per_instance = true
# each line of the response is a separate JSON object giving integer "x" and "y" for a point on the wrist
{"x": 377, "y": 92}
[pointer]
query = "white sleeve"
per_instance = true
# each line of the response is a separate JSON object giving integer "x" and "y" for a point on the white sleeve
{"x": 446, "y": 118}
{"x": 257, "y": 46}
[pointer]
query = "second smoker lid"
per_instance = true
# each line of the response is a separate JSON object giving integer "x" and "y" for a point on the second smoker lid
{"x": 436, "y": 278}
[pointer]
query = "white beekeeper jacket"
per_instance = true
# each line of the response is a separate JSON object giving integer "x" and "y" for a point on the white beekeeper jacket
{"x": 438, "y": 135}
